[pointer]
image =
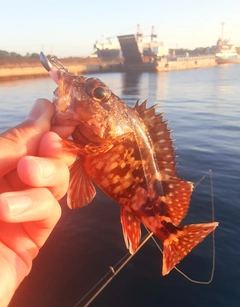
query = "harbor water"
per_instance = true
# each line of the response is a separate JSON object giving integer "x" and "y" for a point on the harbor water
{"x": 203, "y": 106}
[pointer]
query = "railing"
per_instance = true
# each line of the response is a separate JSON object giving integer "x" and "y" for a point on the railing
{"x": 194, "y": 58}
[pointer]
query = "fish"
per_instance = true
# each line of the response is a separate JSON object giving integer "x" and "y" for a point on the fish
{"x": 128, "y": 153}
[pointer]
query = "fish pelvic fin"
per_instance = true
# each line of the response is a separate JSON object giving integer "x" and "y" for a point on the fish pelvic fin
{"x": 131, "y": 230}
{"x": 181, "y": 242}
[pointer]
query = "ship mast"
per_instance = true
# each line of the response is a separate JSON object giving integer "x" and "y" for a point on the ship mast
{"x": 222, "y": 32}
{"x": 139, "y": 34}
{"x": 153, "y": 34}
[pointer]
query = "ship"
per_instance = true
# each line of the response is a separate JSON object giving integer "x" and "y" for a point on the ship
{"x": 226, "y": 53}
{"x": 107, "y": 49}
{"x": 142, "y": 52}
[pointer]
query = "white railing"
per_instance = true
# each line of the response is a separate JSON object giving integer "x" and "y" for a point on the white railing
{"x": 194, "y": 58}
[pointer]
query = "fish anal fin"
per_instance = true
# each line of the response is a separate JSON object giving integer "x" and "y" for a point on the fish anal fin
{"x": 131, "y": 230}
{"x": 81, "y": 190}
{"x": 177, "y": 198}
{"x": 181, "y": 242}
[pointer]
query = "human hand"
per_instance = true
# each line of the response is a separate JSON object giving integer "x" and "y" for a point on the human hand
{"x": 33, "y": 176}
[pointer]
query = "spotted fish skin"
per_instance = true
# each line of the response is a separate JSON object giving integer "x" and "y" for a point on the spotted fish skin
{"x": 128, "y": 153}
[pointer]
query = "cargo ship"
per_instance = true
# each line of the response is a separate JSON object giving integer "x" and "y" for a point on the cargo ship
{"x": 142, "y": 52}
{"x": 139, "y": 49}
{"x": 139, "y": 53}
{"x": 107, "y": 49}
{"x": 226, "y": 53}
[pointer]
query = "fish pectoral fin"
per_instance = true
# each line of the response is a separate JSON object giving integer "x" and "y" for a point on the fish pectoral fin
{"x": 98, "y": 149}
{"x": 181, "y": 242}
{"x": 81, "y": 190}
{"x": 73, "y": 147}
{"x": 131, "y": 230}
{"x": 90, "y": 149}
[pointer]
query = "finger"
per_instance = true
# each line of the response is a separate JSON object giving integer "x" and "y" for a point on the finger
{"x": 36, "y": 207}
{"x": 26, "y": 220}
{"x": 23, "y": 139}
{"x": 45, "y": 172}
{"x": 51, "y": 146}
{"x": 63, "y": 131}
{"x": 11, "y": 182}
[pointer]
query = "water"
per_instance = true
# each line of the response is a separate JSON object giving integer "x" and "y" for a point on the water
{"x": 204, "y": 109}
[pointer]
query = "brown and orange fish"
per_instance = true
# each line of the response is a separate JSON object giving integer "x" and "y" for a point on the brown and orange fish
{"x": 128, "y": 153}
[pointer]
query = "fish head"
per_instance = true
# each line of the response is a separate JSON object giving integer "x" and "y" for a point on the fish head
{"x": 86, "y": 103}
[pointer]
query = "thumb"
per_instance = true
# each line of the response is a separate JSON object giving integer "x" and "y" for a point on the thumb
{"x": 24, "y": 138}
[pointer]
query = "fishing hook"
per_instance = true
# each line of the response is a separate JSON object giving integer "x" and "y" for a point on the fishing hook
{"x": 48, "y": 64}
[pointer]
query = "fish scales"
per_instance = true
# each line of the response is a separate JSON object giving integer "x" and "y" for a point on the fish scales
{"x": 128, "y": 153}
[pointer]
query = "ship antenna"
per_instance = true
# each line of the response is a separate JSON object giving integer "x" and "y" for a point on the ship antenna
{"x": 222, "y": 32}
{"x": 139, "y": 34}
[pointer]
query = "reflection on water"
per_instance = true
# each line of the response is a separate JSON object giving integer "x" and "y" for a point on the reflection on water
{"x": 17, "y": 98}
{"x": 131, "y": 84}
{"x": 142, "y": 86}
{"x": 158, "y": 87}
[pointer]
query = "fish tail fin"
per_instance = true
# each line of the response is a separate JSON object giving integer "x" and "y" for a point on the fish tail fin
{"x": 182, "y": 241}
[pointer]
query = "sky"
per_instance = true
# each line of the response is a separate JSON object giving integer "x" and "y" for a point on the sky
{"x": 71, "y": 27}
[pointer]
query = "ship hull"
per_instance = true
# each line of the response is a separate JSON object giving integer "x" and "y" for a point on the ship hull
{"x": 228, "y": 59}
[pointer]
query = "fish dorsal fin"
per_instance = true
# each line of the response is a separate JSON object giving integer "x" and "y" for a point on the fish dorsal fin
{"x": 160, "y": 136}
{"x": 81, "y": 190}
{"x": 131, "y": 230}
{"x": 177, "y": 192}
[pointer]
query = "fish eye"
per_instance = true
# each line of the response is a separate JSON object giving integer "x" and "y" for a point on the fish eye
{"x": 97, "y": 89}
{"x": 99, "y": 93}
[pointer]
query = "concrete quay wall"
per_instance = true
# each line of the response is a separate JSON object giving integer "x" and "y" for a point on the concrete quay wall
{"x": 187, "y": 63}
{"x": 22, "y": 72}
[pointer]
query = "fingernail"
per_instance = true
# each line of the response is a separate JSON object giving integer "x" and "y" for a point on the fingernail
{"x": 46, "y": 168}
{"x": 54, "y": 75}
{"x": 18, "y": 204}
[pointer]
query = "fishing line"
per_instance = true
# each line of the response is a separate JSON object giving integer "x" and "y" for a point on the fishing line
{"x": 125, "y": 259}
{"x": 101, "y": 280}
{"x": 213, "y": 237}
{"x": 115, "y": 272}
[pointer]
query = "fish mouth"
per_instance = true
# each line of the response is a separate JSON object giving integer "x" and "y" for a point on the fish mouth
{"x": 90, "y": 129}
{"x": 96, "y": 128}
{"x": 68, "y": 114}
{"x": 63, "y": 119}
{"x": 64, "y": 111}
